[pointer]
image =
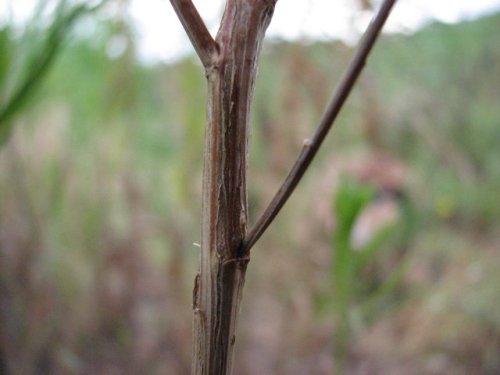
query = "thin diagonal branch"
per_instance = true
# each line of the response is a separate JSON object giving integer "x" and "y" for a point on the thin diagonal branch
{"x": 202, "y": 41}
{"x": 311, "y": 146}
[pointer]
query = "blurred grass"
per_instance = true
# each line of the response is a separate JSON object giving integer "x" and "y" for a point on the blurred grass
{"x": 100, "y": 194}
{"x": 34, "y": 57}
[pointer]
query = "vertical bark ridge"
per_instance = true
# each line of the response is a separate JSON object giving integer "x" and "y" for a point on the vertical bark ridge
{"x": 218, "y": 287}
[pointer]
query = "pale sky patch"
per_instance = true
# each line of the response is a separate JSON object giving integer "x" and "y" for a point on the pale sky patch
{"x": 161, "y": 37}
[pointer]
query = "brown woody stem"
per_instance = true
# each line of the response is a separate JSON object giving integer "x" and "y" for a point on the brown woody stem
{"x": 218, "y": 286}
{"x": 231, "y": 67}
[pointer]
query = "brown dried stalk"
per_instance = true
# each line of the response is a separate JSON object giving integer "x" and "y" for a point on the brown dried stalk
{"x": 201, "y": 39}
{"x": 230, "y": 63}
{"x": 231, "y": 67}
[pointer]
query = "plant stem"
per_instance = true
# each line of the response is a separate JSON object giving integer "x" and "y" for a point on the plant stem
{"x": 219, "y": 283}
{"x": 195, "y": 28}
{"x": 231, "y": 66}
{"x": 312, "y": 146}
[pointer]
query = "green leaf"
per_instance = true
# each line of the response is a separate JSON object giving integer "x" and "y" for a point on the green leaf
{"x": 40, "y": 61}
{"x": 5, "y": 51}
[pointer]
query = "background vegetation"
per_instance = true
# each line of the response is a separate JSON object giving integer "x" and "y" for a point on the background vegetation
{"x": 100, "y": 194}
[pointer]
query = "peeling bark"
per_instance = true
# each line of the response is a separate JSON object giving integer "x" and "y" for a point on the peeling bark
{"x": 218, "y": 286}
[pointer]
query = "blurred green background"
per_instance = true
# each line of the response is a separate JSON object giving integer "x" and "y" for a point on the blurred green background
{"x": 385, "y": 261}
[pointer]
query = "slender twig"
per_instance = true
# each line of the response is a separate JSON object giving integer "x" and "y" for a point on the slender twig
{"x": 196, "y": 30}
{"x": 312, "y": 145}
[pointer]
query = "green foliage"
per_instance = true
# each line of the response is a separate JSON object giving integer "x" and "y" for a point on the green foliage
{"x": 350, "y": 200}
{"x": 4, "y": 52}
{"x": 37, "y": 47}
{"x": 444, "y": 115}
{"x": 353, "y": 295}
